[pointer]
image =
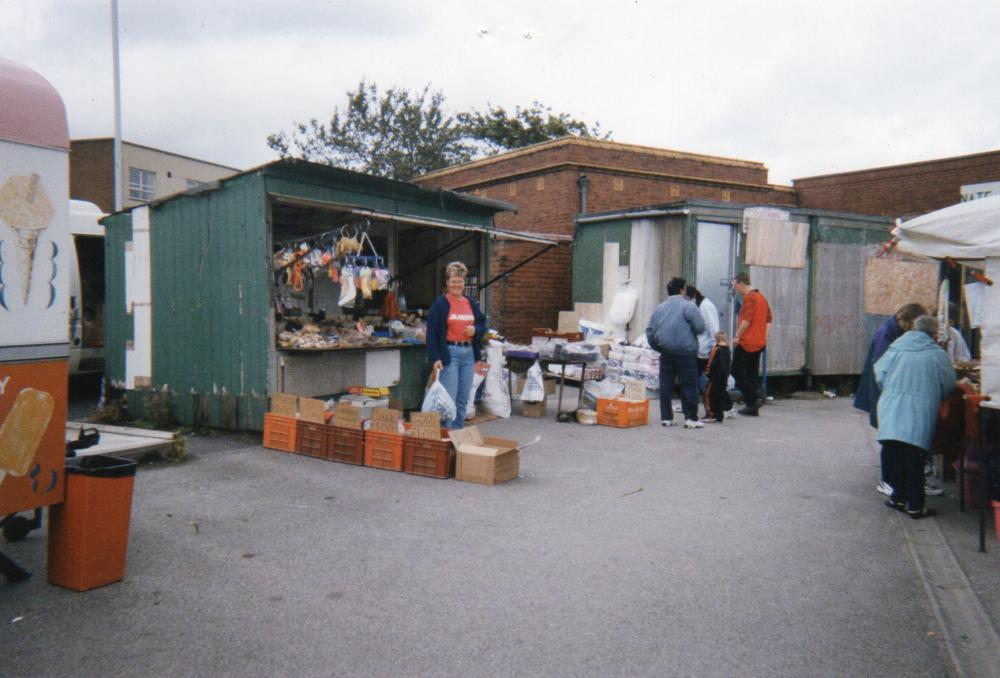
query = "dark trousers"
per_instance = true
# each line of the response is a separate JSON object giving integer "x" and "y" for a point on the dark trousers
{"x": 717, "y": 400}
{"x": 746, "y": 372}
{"x": 683, "y": 366}
{"x": 905, "y": 466}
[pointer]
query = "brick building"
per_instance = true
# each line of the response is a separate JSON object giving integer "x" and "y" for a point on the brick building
{"x": 147, "y": 173}
{"x": 552, "y": 181}
{"x": 901, "y": 191}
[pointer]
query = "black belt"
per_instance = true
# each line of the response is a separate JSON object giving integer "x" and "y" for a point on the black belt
{"x": 460, "y": 343}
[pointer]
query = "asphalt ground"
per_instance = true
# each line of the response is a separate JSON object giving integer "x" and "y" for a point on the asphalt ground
{"x": 750, "y": 548}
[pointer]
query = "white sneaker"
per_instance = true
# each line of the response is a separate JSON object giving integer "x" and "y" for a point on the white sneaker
{"x": 668, "y": 422}
{"x": 729, "y": 414}
{"x": 884, "y": 488}
{"x": 693, "y": 423}
{"x": 678, "y": 407}
{"x": 931, "y": 491}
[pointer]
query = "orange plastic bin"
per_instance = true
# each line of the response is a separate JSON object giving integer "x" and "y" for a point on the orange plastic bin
{"x": 88, "y": 533}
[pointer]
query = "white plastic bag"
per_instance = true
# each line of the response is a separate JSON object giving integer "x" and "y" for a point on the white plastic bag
{"x": 592, "y": 390}
{"x": 470, "y": 406}
{"x": 534, "y": 385}
{"x": 496, "y": 398}
{"x": 438, "y": 400}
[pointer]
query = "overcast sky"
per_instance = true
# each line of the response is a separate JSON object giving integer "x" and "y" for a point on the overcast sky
{"x": 805, "y": 86}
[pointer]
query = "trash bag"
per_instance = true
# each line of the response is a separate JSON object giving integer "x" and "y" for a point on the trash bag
{"x": 496, "y": 397}
{"x": 470, "y": 406}
{"x": 534, "y": 385}
{"x": 438, "y": 400}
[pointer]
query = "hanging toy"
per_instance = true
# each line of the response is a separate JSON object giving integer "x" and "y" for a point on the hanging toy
{"x": 296, "y": 278}
{"x": 348, "y": 242}
{"x": 333, "y": 270}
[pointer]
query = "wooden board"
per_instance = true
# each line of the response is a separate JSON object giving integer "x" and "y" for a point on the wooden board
{"x": 890, "y": 283}
{"x": 772, "y": 242}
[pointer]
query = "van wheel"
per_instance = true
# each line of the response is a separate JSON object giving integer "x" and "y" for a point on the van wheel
{"x": 16, "y": 528}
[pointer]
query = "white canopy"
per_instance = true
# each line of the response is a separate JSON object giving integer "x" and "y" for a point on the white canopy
{"x": 968, "y": 230}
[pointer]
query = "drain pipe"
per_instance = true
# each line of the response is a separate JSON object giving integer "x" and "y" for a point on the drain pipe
{"x": 583, "y": 183}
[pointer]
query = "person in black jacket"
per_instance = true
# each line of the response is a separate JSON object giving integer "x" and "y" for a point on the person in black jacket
{"x": 717, "y": 401}
{"x": 455, "y": 330}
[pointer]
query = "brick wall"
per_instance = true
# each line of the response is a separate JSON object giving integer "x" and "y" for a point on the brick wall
{"x": 901, "y": 190}
{"x": 542, "y": 182}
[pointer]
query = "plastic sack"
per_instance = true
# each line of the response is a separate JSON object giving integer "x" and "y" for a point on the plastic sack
{"x": 470, "y": 405}
{"x": 534, "y": 385}
{"x": 438, "y": 400}
{"x": 623, "y": 306}
{"x": 592, "y": 390}
{"x": 496, "y": 397}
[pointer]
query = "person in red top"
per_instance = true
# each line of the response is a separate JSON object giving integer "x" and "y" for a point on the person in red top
{"x": 748, "y": 342}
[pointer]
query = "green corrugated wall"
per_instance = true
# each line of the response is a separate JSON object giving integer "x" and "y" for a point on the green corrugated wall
{"x": 117, "y": 322}
{"x": 588, "y": 256}
{"x": 211, "y": 284}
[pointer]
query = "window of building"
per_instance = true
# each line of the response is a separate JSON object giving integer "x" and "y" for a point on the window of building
{"x": 141, "y": 184}
{"x": 194, "y": 183}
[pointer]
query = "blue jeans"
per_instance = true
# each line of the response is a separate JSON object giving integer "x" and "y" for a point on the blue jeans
{"x": 457, "y": 377}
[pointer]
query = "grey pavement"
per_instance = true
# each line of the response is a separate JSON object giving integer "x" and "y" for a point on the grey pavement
{"x": 757, "y": 547}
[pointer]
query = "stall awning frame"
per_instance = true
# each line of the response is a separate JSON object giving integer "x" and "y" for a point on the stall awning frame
{"x": 430, "y": 222}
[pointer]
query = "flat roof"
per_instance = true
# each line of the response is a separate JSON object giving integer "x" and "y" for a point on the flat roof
{"x": 591, "y": 143}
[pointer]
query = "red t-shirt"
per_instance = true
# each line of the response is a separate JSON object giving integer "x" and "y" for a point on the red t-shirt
{"x": 459, "y": 317}
{"x": 757, "y": 311}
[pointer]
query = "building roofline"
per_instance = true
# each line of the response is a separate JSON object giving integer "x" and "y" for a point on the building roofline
{"x": 610, "y": 169}
{"x": 686, "y": 206}
{"x": 157, "y": 150}
{"x": 905, "y": 165}
{"x": 591, "y": 143}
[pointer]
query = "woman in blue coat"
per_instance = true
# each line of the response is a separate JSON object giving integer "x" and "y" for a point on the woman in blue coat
{"x": 455, "y": 330}
{"x": 914, "y": 376}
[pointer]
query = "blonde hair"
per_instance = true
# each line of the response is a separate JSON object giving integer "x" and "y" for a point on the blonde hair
{"x": 721, "y": 338}
{"x": 456, "y": 268}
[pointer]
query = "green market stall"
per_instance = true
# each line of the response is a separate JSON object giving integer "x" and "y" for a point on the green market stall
{"x": 222, "y": 295}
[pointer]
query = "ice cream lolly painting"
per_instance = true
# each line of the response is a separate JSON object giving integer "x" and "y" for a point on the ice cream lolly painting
{"x": 26, "y": 209}
{"x": 22, "y": 430}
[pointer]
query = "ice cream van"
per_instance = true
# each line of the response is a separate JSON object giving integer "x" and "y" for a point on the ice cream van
{"x": 34, "y": 290}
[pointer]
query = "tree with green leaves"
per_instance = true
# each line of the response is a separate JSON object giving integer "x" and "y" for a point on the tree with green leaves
{"x": 498, "y": 131}
{"x": 401, "y": 134}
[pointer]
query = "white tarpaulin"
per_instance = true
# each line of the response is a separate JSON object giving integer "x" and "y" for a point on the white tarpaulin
{"x": 969, "y": 230}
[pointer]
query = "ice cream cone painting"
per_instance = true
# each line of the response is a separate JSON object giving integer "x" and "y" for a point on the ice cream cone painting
{"x": 26, "y": 208}
{"x": 22, "y": 431}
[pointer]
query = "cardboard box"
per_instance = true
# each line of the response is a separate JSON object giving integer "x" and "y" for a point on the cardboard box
{"x": 346, "y": 415}
{"x": 285, "y": 404}
{"x": 425, "y": 425}
{"x": 530, "y": 409}
{"x": 312, "y": 410}
{"x": 385, "y": 420}
{"x": 487, "y": 461}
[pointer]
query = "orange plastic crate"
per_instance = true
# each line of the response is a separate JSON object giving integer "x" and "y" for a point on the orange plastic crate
{"x": 384, "y": 450}
{"x": 311, "y": 439}
{"x": 433, "y": 458}
{"x": 345, "y": 445}
{"x": 280, "y": 432}
{"x": 622, "y": 413}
